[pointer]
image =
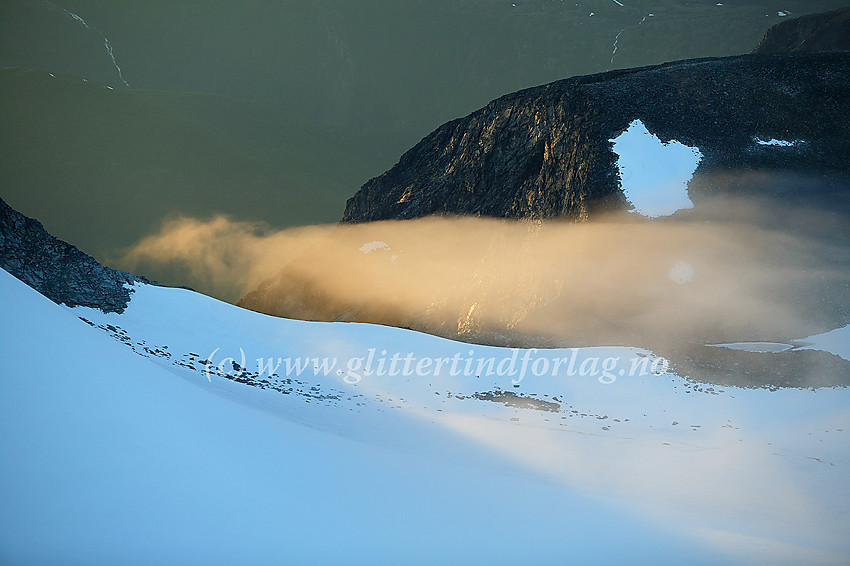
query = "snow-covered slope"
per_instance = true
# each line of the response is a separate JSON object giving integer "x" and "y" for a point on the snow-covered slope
{"x": 177, "y": 455}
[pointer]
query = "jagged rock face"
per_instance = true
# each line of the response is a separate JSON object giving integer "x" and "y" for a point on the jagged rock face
{"x": 58, "y": 270}
{"x": 546, "y": 151}
{"x": 829, "y": 31}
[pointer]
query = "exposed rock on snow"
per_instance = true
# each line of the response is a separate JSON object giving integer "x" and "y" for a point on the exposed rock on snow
{"x": 58, "y": 270}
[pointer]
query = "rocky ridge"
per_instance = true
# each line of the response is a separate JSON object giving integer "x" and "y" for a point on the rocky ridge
{"x": 546, "y": 151}
{"x": 58, "y": 270}
{"x": 828, "y": 31}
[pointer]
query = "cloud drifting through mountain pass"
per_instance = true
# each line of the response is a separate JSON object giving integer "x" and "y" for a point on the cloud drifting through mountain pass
{"x": 622, "y": 280}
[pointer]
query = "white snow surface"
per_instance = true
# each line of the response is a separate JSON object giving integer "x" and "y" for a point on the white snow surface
{"x": 758, "y": 347}
{"x": 835, "y": 341}
{"x": 654, "y": 175}
{"x": 121, "y": 451}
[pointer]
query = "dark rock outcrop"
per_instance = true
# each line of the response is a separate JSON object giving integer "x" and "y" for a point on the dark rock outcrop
{"x": 58, "y": 270}
{"x": 546, "y": 151}
{"x": 829, "y": 31}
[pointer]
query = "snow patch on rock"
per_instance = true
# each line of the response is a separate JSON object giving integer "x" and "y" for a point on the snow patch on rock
{"x": 835, "y": 342}
{"x": 756, "y": 347}
{"x": 370, "y": 247}
{"x": 654, "y": 175}
{"x": 681, "y": 273}
{"x": 778, "y": 143}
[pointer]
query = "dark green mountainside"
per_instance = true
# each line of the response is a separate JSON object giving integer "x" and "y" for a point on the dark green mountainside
{"x": 392, "y": 70}
{"x": 116, "y": 162}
